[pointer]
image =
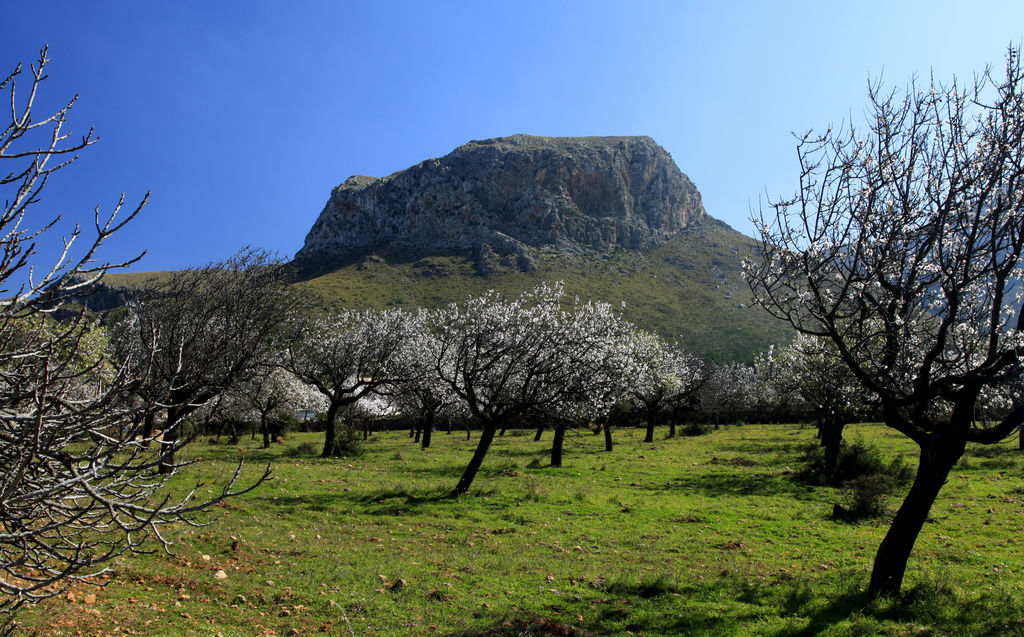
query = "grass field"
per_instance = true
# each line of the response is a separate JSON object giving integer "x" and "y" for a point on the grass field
{"x": 705, "y": 536}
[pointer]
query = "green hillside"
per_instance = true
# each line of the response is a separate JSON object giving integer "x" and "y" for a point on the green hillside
{"x": 688, "y": 289}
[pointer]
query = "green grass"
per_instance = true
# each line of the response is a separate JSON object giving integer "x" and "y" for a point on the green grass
{"x": 708, "y": 535}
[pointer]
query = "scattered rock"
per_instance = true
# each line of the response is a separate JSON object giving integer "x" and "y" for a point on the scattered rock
{"x": 220, "y": 574}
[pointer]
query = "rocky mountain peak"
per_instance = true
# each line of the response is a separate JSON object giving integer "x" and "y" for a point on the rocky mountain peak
{"x": 509, "y": 195}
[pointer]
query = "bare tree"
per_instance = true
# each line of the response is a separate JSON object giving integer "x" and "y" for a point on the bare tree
{"x": 76, "y": 487}
{"x": 903, "y": 247}
{"x": 204, "y": 330}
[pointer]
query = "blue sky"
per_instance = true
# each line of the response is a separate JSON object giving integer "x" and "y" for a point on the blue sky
{"x": 241, "y": 116}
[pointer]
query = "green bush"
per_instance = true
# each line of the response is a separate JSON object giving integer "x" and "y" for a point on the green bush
{"x": 865, "y": 496}
{"x": 347, "y": 443}
{"x": 696, "y": 429}
{"x": 855, "y": 459}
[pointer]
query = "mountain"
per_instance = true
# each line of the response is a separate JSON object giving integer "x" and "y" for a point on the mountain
{"x": 512, "y": 195}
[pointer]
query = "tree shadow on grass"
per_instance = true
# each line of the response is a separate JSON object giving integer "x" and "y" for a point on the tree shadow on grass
{"x": 390, "y": 501}
{"x": 722, "y": 484}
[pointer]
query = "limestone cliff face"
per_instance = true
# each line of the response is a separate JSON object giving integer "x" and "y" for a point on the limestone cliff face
{"x": 510, "y": 193}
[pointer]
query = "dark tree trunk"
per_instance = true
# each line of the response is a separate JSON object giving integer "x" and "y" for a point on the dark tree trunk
{"x": 412, "y": 428}
{"x": 502, "y": 433}
{"x": 556, "y": 446}
{"x": 233, "y": 440}
{"x": 428, "y": 427}
{"x": 330, "y": 431}
{"x": 170, "y": 441}
{"x": 672, "y": 428}
{"x": 540, "y": 430}
{"x": 418, "y": 430}
{"x": 486, "y": 437}
{"x": 832, "y": 440}
{"x": 147, "y": 428}
{"x": 938, "y": 456}
{"x": 607, "y": 436}
{"x": 266, "y": 431}
{"x": 467, "y": 431}
{"x": 652, "y": 417}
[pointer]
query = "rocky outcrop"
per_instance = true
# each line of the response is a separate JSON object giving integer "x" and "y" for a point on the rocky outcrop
{"x": 503, "y": 197}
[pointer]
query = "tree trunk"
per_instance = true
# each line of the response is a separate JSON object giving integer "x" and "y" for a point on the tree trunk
{"x": 170, "y": 441}
{"x": 412, "y": 429}
{"x": 147, "y": 428}
{"x": 607, "y": 436}
{"x": 652, "y": 417}
{"x": 832, "y": 440}
{"x": 419, "y": 429}
{"x": 266, "y": 431}
{"x": 556, "y": 446}
{"x": 486, "y": 437}
{"x": 428, "y": 427}
{"x": 938, "y": 456}
{"x": 330, "y": 431}
{"x": 540, "y": 430}
{"x": 672, "y": 428}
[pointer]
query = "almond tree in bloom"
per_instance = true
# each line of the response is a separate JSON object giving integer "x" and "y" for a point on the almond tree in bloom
{"x": 664, "y": 378}
{"x": 271, "y": 394}
{"x": 811, "y": 367}
{"x": 422, "y": 392}
{"x": 729, "y": 388}
{"x": 903, "y": 247}
{"x": 347, "y": 355}
{"x": 596, "y": 346}
{"x": 508, "y": 358}
{"x": 76, "y": 485}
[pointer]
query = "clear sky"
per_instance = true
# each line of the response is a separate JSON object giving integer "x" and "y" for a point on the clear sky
{"x": 241, "y": 116}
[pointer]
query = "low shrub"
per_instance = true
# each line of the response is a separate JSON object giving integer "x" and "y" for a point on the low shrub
{"x": 856, "y": 459}
{"x": 303, "y": 450}
{"x": 865, "y": 497}
{"x": 347, "y": 443}
{"x": 696, "y": 429}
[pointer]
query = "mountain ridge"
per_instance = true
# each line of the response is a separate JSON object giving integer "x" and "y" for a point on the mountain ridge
{"x": 513, "y": 194}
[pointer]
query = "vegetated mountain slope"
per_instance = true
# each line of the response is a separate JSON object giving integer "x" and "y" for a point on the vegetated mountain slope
{"x": 689, "y": 288}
